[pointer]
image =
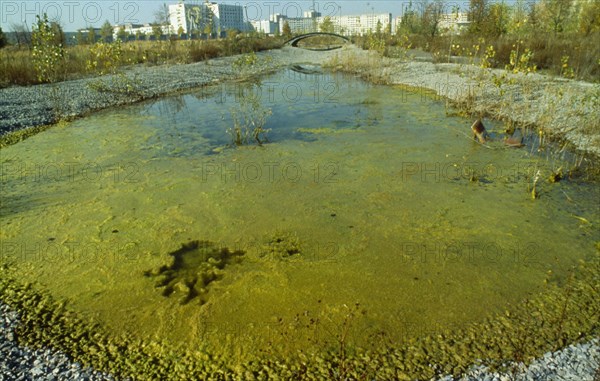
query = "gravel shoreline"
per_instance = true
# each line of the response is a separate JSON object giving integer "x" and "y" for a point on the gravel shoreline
{"x": 20, "y": 363}
{"x": 579, "y": 362}
{"x": 562, "y": 108}
{"x": 32, "y": 106}
{"x": 566, "y": 109}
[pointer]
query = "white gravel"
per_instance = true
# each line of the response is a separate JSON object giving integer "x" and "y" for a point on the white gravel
{"x": 18, "y": 363}
{"x": 31, "y": 106}
{"x": 579, "y": 362}
{"x": 566, "y": 108}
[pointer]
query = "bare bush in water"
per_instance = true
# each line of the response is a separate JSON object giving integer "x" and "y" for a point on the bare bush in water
{"x": 249, "y": 119}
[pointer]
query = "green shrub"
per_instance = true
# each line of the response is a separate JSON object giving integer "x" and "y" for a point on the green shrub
{"x": 54, "y": 62}
{"x": 47, "y": 54}
{"x": 105, "y": 57}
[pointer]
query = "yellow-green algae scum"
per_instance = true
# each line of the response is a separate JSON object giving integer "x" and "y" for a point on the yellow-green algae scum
{"x": 371, "y": 217}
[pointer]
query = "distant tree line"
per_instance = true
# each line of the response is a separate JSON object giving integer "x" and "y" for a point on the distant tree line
{"x": 21, "y": 36}
{"x": 489, "y": 18}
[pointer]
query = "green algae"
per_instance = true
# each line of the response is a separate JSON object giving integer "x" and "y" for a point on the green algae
{"x": 560, "y": 315}
{"x": 358, "y": 218}
{"x": 282, "y": 245}
{"x": 15, "y": 137}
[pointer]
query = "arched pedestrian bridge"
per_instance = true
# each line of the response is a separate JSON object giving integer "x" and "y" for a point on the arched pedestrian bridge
{"x": 294, "y": 41}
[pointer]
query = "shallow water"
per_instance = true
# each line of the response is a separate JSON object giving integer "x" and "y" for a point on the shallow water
{"x": 369, "y": 209}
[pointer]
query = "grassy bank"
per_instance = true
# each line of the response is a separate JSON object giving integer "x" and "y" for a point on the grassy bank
{"x": 573, "y": 57}
{"x": 17, "y": 66}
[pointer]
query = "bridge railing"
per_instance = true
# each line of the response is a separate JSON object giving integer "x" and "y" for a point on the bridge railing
{"x": 294, "y": 41}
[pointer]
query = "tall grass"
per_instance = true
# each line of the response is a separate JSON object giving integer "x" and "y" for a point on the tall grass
{"x": 16, "y": 66}
{"x": 549, "y": 52}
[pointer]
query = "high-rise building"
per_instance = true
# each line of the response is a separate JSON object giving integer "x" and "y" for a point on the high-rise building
{"x": 265, "y": 26}
{"x": 311, "y": 14}
{"x": 344, "y": 25}
{"x": 299, "y": 24}
{"x": 177, "y": 16}
{"x": 453, "y": 23}
{"x": 360, "y": 24}
{"x": 226, "y": 17}
{"x": 202, "y": 17}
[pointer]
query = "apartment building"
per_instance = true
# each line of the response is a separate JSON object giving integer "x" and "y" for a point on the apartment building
{"x": 144, "y": 29}
{"x": 453, "y": 23}
{"x": 201, "y": 16}
{"x": 265, "y": 26}
{"x": 226, "y": 17}
{"x": 344, "y": 25}
{"x": 299, "y": 24}
{"x": 361, "y": 24}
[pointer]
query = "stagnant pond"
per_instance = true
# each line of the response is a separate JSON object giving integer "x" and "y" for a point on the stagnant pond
{"x": 368, "y": 202}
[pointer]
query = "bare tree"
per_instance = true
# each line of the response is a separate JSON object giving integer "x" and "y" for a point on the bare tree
{"x": 106, "y": 32}
{"x": 432, "y": 15}
{"x": 410, "y": 20}
{"x": 478, "y": 11}
{"x": 162, "y": 15}
{"x": 556, "y": 14}
{"x": 199, "y": 19}
{"x": 59, "y": 34}
{"x": 589, "y": 21}
{"x": 22, "y": 34}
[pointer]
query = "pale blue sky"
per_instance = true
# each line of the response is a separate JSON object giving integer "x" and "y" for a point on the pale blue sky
{"x": 74, "y": 14}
